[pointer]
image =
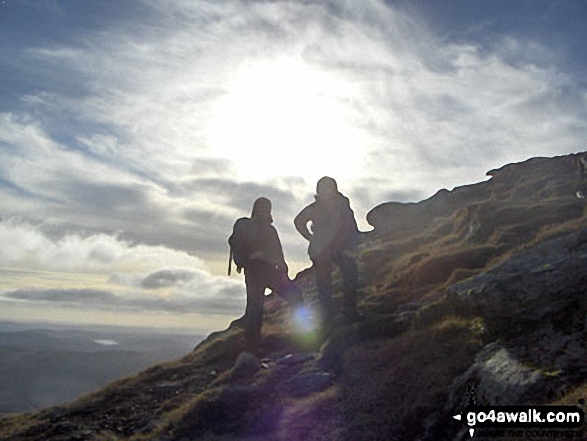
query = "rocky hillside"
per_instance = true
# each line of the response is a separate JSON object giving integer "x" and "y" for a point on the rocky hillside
{"x": 475, "y": 294}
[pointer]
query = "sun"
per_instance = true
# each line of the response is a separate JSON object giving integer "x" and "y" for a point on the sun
{"x": 283, "y": 117}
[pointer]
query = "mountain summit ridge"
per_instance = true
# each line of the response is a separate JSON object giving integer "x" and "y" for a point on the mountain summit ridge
{"x": 476, "y": 289}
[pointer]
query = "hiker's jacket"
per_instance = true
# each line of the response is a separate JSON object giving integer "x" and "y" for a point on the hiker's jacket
{"x": 334, "y": 228}
{"x": 256, "y": 240}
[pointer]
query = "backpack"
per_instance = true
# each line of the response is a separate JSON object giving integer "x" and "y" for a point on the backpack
{"x": 241, "y": 241}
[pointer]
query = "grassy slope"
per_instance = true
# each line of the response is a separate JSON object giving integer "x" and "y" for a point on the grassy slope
{"x": 388, "y": 381}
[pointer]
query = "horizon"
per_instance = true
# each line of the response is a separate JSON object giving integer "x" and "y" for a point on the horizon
{"x": 22, "y": 326}
{"x": 133, "y": 135}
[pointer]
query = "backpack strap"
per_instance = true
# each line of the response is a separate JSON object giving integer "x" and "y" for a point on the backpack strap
{"x": 230, "y": 261}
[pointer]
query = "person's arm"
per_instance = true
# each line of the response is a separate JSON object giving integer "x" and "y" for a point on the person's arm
{"x": 350, "y": 225}
{"x": 302, "y": 219}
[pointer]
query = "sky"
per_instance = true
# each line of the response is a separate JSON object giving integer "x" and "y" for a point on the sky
{"x": 133, "y": 134}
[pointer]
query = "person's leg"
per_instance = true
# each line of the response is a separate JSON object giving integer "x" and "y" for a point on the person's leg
{"x": 254, "y": 311}
{"x": 286, "y": 288}
{"x": 280, "y": 282}
{"x": 323, "y": 273}
{"x": 350, "y": 283}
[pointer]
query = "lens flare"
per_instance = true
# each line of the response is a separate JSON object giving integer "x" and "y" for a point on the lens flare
{"x": 304, "y": 321}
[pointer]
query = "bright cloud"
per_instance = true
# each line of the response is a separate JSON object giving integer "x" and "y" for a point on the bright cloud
{"x": 185, "y": 287}
{"x": 24, "y": 245}
{"x": 226, "y": 299}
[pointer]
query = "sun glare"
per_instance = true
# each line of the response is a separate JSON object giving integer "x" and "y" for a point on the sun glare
{"x": 285, "y": 118}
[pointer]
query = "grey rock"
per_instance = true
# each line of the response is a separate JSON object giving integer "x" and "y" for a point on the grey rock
{"x": 401, "y": 219}
{"x": 306, "y": 384}
{"x": 536, "y": 286}
{"x": 535, "y": 303}
{"x": 497, "y": 378}
{"x": 246, "y": 364}
{"x": 294, "y": 359}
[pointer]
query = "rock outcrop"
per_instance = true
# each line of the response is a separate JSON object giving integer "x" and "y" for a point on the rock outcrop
{"x": 545, "y": 286}
{"x": 533, "y": 308}
{"x": 536, "y": 303}
{"x": 534, "y": 178}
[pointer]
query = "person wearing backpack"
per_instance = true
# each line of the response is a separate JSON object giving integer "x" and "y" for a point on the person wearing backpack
{"x": 255, "y": 246}
{"x": 333, "y": 237}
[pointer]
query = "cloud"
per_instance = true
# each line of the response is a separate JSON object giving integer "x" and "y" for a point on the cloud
{"x": 227, "y": 298}
{"x": 241, "y": 195}
{"x": 161, "y": 278}
{"x": 185, "y": 287}
{"x": 64, "y": 296}
{"x": 119, "y": 201}
{"x": 25, "y": 244}
{"x": 211, "y": 166}
{"x": 194, "y": 215}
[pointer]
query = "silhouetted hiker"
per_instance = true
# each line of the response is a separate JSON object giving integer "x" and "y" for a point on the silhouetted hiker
{"x": 333, "y": 237}
{"x": 581, "y": 161}
{"x": 255, "y": 246}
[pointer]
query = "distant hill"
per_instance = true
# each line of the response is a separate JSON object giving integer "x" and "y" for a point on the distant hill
{"x": 42, "y": 367}
{"x": 478, "y": 294}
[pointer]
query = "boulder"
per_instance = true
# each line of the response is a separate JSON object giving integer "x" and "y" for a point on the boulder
{"x": 497, "y": 378}
{"x": 246, "y": 365}
{"x": 544, "y": 285}
{"x": 309, "y": 383}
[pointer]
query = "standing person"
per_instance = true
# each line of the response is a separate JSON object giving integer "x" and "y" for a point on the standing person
{"x": 255, "y": 246}
{"x": 333, "y": 237}
{"x": 580, "y": 160}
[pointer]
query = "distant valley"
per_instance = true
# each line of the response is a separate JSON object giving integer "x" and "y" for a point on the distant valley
{"x": 47, "y": 365}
